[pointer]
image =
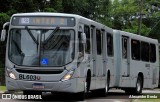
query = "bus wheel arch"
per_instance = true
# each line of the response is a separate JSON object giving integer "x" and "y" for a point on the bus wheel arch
{"x": 142, "y": 77}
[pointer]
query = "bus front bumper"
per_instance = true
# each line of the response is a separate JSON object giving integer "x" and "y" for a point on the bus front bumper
{"x": 60, "y": 86}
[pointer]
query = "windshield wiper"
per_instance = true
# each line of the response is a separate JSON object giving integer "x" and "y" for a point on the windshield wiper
{"x": 51, "y": 35}
{"x": 18, "y": 48}
{"x": 30, "y": 33}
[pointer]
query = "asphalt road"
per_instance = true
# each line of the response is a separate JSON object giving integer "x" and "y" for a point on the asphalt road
{"x": 113, "y": 96}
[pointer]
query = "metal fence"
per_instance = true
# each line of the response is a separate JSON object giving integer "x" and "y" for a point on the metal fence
{"x": 2, "y": 63}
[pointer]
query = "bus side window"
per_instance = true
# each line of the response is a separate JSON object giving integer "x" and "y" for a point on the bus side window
{"x": 99, "y": 42}
{"x": 124, "y": 47}
{"x": 81, "y": 48}
{"x": 87, "y": 32}
{"x": 152, "y": 52}
{"x": 135, "y": 49}
{"x": 144, "y": 51}
{"x": 109, "y": 44}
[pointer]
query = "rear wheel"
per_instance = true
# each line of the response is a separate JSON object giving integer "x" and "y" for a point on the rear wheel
{"x": 138, "y": 89}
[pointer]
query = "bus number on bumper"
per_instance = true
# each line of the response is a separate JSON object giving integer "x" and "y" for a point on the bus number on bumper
{"x": 29, "y": 77}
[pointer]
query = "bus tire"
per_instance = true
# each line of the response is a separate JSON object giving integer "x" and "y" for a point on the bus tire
{"x": 139, "y": 83}
{"x": 87, "y": 82}
{"x": 105, "y": 90}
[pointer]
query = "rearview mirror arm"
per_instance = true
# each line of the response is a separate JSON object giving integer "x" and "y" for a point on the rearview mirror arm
{"x": 5, "y": 25}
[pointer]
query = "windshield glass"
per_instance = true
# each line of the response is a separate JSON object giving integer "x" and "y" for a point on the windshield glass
{"x": 41, "y": 47}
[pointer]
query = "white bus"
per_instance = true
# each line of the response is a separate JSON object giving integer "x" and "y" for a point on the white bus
{"x": 56, "y": 52}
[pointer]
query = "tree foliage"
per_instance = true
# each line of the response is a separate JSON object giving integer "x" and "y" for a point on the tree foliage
{"x": 126, "y": 13}
{"x": 3, "y": 18}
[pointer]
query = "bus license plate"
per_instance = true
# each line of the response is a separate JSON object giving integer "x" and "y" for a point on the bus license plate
{"x": 38, "y": 86}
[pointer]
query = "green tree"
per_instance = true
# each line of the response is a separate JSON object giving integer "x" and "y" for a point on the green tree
{"x": 125, "y": 15}
{"x": 97, "y": 10}
{"x": 3, "y": 18}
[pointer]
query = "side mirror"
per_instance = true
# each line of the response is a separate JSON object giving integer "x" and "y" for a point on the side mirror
{"x": 4, "y": 31}
{"x": 83, "y": 35}
{"x": 3, "y": 35}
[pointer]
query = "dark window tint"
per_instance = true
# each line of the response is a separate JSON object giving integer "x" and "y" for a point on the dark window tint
{"x": 81, "y": 49}
{"x": 124, "y": 47}
{"x": 144, "y": 51}
{"x": 109, "y": 44}
{"x": 99, "y": 45}
{"x": 152, "y": 53}
{"x": 87, "y": 32}
{"x": 135, "y": 49}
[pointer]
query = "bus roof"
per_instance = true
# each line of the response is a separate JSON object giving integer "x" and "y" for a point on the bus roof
{"x": 137, "y": 37}
{"x": 81, "y": 17}
{"x": 52, "y": 14}
{"x": 49, "y": 14}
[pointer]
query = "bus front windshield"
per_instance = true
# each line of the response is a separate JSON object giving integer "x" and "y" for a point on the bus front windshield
{"x": 41, "y": 47}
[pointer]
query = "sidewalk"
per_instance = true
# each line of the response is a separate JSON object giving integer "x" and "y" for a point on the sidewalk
{"x": 2, "y": 91}
{"x": 7, "y": 92}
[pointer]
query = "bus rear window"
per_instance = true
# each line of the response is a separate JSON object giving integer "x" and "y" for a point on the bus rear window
{"x": 152, "y": 53}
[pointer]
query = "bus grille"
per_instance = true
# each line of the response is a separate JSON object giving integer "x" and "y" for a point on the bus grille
{"x": 39, "y": 71}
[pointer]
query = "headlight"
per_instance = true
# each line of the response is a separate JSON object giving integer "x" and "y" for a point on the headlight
{"x": 12, "y": 75}
{"x": 68, "y": 76}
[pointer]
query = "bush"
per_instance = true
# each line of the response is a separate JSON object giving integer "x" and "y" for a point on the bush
{"x": 3, "y": 18}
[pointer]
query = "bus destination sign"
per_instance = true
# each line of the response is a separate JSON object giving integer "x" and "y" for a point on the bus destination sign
{"x": 43, "y": 21}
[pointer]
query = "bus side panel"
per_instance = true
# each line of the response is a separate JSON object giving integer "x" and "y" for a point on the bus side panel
{"x": 155, "y": 71}
{"x": 117, "y": 60}
{"x": 135, "y": 68}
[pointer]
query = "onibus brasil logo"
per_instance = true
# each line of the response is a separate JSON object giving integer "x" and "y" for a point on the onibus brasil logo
{"x": 15, "y": 96}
